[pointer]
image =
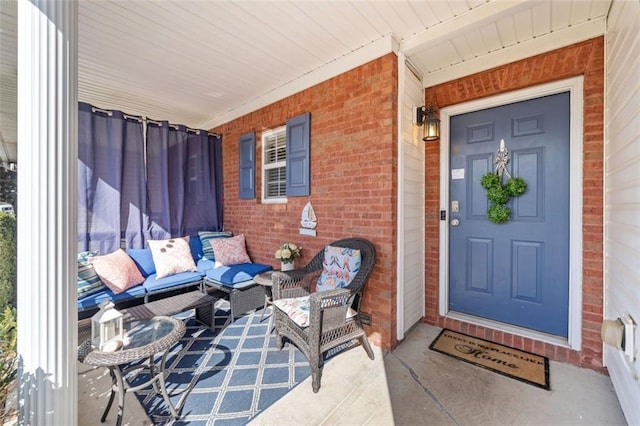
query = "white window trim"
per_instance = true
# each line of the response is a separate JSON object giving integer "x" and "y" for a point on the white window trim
{"x": 265, "y": 135}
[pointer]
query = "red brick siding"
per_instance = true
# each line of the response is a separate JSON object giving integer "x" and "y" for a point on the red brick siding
{"x": 353, "y": 178}
{"x": 587, "y": 59}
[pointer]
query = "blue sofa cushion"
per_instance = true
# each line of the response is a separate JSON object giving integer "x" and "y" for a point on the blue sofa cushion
{"x": 204, "y": 265}
{"x": 236, "y": 276}
{"x": 94, "y": 300}
{"x": 143, "y": 260}
{"x": 154, "y": 284}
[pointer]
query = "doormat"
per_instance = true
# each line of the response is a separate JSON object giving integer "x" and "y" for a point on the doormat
{"x": 520, "y": 365}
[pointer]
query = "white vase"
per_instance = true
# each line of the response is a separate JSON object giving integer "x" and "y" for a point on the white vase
{"x": 287, "y": 266}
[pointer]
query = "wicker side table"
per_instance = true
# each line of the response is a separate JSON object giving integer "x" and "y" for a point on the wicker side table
{"x": 264, "y": 279}
{"x": 144, "y": 339}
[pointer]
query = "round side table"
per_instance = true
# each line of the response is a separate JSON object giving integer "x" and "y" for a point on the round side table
{"x": 264, "y": 279}
{"x": 144, "y": 339}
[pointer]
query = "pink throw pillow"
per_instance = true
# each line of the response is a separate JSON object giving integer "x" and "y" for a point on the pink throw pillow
{"x": 117, "y": 271}
{"x": 230, "y": 251}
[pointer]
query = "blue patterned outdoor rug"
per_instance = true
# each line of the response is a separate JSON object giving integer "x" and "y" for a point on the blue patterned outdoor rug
{"x": 224, "y": 376}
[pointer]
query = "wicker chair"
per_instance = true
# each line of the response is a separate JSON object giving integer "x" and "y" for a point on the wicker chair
{"x": 328, "y": 326}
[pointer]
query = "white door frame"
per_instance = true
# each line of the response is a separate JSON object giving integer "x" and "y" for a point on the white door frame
{"x": 574, "y": 86}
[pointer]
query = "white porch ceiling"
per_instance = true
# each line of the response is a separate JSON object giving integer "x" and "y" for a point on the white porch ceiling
{"x": 204, "y": 63}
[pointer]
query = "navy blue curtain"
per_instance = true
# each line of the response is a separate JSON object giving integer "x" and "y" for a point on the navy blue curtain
{"x": 184, "y": 180}
{"x": 111, "y": 181}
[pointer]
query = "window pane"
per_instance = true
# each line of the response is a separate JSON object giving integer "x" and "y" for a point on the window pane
{"x": 275, "y": 148}
{"x": 274, "y": 163}
{"x": 276, "y": 182}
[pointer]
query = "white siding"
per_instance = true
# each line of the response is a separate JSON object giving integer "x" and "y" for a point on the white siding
{"x": 622, "y": 192}
{"x": 410, "y": 204}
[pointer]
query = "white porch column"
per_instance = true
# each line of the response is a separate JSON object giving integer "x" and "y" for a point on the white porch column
{"x": 47, "y": 222}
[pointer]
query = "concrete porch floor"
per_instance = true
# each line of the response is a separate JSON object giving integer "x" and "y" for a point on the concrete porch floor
{"x": 410, "y": 386}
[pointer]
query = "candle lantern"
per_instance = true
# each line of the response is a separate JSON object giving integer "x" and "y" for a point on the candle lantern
{"x": 107, "y": 326}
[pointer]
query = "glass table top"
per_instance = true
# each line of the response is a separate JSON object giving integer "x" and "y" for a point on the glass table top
{"x": 144, "y": 332}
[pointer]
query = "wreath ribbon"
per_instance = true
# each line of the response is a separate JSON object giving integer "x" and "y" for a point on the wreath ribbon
{"x": 502, "y": 158}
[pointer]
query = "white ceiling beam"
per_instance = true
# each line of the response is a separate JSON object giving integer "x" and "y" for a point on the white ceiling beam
{"x": 536, "y": 46}
{"x": 461, "y": 24}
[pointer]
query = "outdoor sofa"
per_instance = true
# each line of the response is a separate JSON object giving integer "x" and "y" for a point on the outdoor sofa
{"x": 234, "y": 280}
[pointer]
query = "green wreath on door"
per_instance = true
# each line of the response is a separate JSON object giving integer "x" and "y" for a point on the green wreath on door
{"x": 499, "y": 195}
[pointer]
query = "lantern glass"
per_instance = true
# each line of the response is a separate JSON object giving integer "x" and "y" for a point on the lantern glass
{"x": 106, "y": 326}
{"x": 431, "y": 129}
{"x": 430, "y": 124}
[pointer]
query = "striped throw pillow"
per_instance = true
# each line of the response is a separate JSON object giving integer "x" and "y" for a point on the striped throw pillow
{"x": 88, "y": 281}
{"x": 205, "y": 239}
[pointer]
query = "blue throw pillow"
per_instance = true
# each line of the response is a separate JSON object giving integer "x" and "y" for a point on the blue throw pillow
{"x": 196, "y": 248}
{"x": 143, "y": 260}
{"x": 205, "y": 239}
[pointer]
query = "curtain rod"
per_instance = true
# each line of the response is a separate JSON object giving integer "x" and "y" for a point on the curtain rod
{"x": 142, "y": 119}
{"x": 176, "y": 127}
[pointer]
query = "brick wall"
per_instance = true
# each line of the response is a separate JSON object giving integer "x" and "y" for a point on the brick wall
{"x": 353, "y": 178}
{"x": 587, "y": 59}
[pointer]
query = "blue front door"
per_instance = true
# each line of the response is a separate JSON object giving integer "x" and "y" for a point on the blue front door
{"x": 515, "y": 272}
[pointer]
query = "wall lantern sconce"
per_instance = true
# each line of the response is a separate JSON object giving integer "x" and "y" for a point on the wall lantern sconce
{"x": 426, "y": 117}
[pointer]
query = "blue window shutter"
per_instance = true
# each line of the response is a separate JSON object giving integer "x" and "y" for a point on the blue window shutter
{"x": 298, "y": 149}
{"x": 247, "y": 162}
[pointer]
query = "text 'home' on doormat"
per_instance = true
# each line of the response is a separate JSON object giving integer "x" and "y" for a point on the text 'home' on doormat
{"x": 520, "y": 365}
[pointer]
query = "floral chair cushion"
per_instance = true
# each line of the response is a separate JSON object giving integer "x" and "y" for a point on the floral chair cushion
{"x": 298, "y": 309}
{"x": 339, "y": 266}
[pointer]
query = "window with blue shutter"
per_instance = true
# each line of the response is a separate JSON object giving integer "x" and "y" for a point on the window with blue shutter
{"x": 247, "y": 147}
{"x": 298, "y": 149}
{"x": 274, "y": 165}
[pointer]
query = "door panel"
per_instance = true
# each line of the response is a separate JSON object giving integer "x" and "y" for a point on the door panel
{"x": 528, "y": 165}
{"x": 516, "y": 272}
{"x": 526, "y": 280}
{"x": 477, "y": 166}
{"x": 480, "y": 265}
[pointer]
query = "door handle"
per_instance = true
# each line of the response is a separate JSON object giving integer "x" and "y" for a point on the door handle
{"x": 455, "y": 222}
